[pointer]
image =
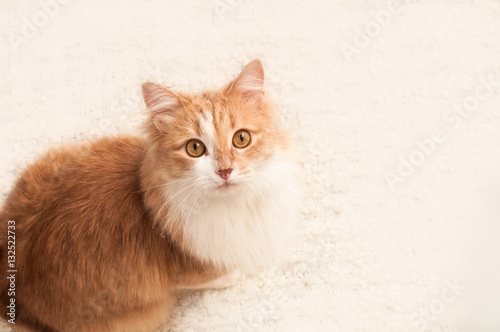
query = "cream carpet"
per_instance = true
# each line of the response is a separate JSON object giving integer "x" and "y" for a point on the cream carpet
{"x": 394, "y": 107}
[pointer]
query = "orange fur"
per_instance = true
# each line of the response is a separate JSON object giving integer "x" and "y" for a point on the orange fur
{"x": 93, "y": 252}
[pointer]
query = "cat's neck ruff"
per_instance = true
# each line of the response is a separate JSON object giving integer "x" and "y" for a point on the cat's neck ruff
{"x": 247, "y": 229}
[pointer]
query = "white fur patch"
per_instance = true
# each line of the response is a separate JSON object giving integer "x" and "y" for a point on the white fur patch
{"x": 207, "y": 129}
{"x": 243, "y": 226}
{"x": 249, "y": 226}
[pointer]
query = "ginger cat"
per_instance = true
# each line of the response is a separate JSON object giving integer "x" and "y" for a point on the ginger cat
{"x": 106, "y": 231}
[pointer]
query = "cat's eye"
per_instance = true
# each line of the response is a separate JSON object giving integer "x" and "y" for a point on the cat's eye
{"x": 241, "y": 139}
{"x": 195, "y": 148}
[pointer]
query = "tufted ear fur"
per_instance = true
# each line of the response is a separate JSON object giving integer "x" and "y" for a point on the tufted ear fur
{"x": 160, "y": 101}
{"x": 249, "y": 85}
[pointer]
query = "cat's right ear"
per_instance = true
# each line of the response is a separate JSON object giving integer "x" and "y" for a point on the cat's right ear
{"x": 160, "y": 101}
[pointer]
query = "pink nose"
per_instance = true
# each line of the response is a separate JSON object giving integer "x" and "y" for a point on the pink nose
{"x": 225, "y": 173}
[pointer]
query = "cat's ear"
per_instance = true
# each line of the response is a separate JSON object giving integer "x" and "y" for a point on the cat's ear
{"x": 249, "y": 85}
{"x": 160, "y": 101}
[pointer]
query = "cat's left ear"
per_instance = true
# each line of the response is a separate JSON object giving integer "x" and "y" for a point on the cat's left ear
{"x": 160, "y": 101}
{"x": 249, "y": 85}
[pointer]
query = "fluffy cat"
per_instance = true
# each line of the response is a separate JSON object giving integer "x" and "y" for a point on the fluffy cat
{"x": 105, "y": 231}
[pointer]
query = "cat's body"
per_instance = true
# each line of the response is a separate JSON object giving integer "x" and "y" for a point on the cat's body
{"x": 105, "y": 231}
{"x": 87, "y": 264}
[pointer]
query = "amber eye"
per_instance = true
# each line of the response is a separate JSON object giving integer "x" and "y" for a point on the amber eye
{"x": 241, "y": 139}
{"x": 195, "y": 148}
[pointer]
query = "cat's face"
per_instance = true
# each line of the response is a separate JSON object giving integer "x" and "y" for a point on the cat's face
{"x": 216, "y": 142}
{"x": 218, "y": 174}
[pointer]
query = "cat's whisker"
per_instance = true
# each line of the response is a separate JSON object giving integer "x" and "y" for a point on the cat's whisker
{"x": 181, "y": 191}
{"x": 158, "y": 214}
{"x": 201, "y": 194}
{"x": 185, "y": 200}
{"x": 164, "y": 205}
{"x": 168, "y": 183}
{"x": 146, "y": 189}
{"x": 254, "y": 190}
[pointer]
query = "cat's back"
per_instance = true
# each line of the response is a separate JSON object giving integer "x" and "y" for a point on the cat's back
{"x": 89, "y": 173}
{"x": 80, "y": 230}
{"x": 76, "y": 201}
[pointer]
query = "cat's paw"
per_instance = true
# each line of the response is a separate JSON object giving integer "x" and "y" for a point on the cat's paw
{"x": 225, "y": 281}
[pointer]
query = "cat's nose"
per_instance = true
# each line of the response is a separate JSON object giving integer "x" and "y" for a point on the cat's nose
{"x": 225, "y": 173}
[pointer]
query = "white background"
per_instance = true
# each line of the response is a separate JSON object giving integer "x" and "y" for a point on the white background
{"x": 361, "y": 86}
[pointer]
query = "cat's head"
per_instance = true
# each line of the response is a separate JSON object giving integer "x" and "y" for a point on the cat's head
{"x": 218, "y": 176}
{"x": 217, "y": 141}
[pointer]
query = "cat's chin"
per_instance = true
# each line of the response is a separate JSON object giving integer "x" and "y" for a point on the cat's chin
{"x": 226, "y": 188}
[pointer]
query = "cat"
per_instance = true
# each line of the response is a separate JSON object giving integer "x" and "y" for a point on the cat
{"x": 106, "y": 231}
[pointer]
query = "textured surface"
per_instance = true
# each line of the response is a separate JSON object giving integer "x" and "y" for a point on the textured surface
{"x": 374, "y": 255}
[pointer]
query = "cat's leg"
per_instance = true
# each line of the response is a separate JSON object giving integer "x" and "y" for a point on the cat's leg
{"x": 224, "y": 281}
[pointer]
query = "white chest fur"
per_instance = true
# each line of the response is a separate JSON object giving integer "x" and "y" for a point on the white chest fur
{"x": 249, "y": 228}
